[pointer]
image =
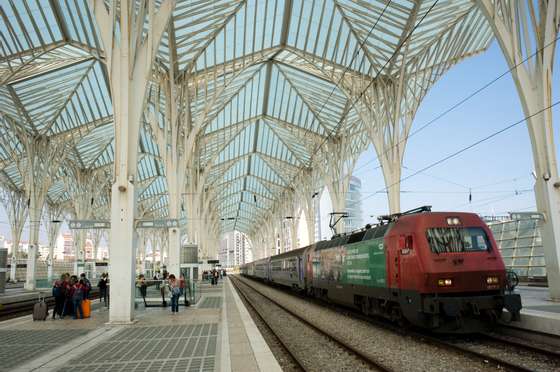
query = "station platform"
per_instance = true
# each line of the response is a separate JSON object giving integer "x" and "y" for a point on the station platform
{"x": 539, "y": 313}
{"x": 216, "y": 334}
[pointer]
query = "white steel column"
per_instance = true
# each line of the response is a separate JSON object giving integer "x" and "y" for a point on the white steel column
{"x": 174, "y": 249}
{"x": 308, "y": 193}
{"x": 129, "y": 60}
{"x": 96, "y": 236}
{"x": 43, "y": 158}
{"x": 83, "y": 187}
{"x": 521, "y": 31}
{"x": 15, "y": 204}
{"x": 52, "y": 218}
{"x": 174, "y": 143}
{"x": 337, "y": 163}
{"x": 141, "y": 257}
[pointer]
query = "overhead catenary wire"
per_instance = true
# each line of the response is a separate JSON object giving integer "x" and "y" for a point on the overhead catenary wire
{"x": 460, "y": 102}
{"x": 464, "y": 149}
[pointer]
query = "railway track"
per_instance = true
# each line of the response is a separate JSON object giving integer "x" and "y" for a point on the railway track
{"x": 520, "y": 356}
{"x": 489, "y": 349}
{"x": 307, "y": 363}
{"x": 482, "y": 347}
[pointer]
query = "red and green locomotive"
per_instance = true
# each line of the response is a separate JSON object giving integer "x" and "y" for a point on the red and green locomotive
{"x": 435, "y": 270}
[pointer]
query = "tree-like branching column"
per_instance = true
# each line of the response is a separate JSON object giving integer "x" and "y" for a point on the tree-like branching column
{"x": 52, "y": 218}
{"x": 38, "y": 169}
{"x": 338, "y": 158}
{"x": 84, "y": 186}
{"x": 15, "y": 204}
{"x": 527, "y": 32}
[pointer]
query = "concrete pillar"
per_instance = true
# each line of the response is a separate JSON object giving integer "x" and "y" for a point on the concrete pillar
{"x": 122, "y": 268}
{"x": 129, "y": 60}
{"x": 35, "y": 209}
{"x": 174, "y": 251}
{"x": 13, "y": 268}
{"x": 392, "y": 175}
{"x": 15, "y": 204}
{"x": 50, "y": 268}
{"x": 140, "y": 250}
{"x": 337, "y": 195}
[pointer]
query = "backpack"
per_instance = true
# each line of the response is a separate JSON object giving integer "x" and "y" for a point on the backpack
{"x": 78, "y": 293}
{"x": 57, "y": 291}
{"x": 88, "y": 285}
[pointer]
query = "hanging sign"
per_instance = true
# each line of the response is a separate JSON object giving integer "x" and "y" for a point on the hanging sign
{"x": 88, "y": 224}
{"x": 157, "y": 224}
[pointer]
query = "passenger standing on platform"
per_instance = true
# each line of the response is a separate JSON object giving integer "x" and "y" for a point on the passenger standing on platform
{"x": 157, "y": 278}
{"x": 174, "y": 286}
{"x": 59, "y": 296}
{"x": 68, "y": 283}
{"x": 182, "y": 283}
{"x": 142, "y": 287}
{"x": 77, "y": 298}
{"x": 164, "y": 289}
{"x": 102, "y": 285}
{"x": 216, "y": 277}
{"x": 87, "y": 285}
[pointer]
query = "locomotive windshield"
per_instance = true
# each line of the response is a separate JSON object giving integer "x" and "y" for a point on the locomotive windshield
{"x": 457, "y": 239}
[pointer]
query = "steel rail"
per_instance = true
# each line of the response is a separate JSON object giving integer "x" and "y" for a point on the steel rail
{"x": 431, "y": 339}
{"x": 352, "y": 350}
{"x": 522, "y": 344}
{"x": 297, "y": 361}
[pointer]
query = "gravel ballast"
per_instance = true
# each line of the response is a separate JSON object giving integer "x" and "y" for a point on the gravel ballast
{"x": 395, "y": 351}
{"x": 313, "y": 350}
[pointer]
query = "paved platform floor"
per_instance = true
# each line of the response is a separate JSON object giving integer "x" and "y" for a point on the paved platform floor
{"x": 215, "y": 335}
{"x": 538, "y": 313}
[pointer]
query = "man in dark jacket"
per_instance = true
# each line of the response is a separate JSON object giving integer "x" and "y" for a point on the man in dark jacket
{"x": 102, "y": 285}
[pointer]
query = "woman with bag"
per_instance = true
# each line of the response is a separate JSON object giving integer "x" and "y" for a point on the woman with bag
{"x": 175, "y": 288}
{"x": 77, "y": 297}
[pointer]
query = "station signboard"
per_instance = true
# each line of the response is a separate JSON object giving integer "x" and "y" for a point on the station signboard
{"x": 88, "y": 224}
{"x": 157, "y": 224}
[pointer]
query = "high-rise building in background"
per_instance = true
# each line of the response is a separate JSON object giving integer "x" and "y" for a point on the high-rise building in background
{"x": 317, "y": 206}
{"x": 68, "y": 244}
{"x": 58, "y": 253}
{"x": 88, "y": 249}
{"x": 235, "y": 249}
{"x": 354, "y": 220}
{"x": 225, "y": 255}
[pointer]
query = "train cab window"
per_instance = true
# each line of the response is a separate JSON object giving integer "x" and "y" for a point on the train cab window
{"x": 462, "y": 239}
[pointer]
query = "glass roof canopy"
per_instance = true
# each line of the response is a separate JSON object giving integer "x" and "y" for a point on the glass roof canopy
{"x": 269, "y": 82}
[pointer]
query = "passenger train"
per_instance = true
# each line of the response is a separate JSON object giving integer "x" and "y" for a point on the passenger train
{"x": 436, "y": 270}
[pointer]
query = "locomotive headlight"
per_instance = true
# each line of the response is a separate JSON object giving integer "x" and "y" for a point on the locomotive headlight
{"x": 445, "y": 282}
{"x": 492, "y": 280}
{"x": 453, "y": 221}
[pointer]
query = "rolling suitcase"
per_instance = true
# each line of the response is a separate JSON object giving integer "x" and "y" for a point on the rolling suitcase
{"x": 40, "y": 309}
{"x": 86, "y": 308}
